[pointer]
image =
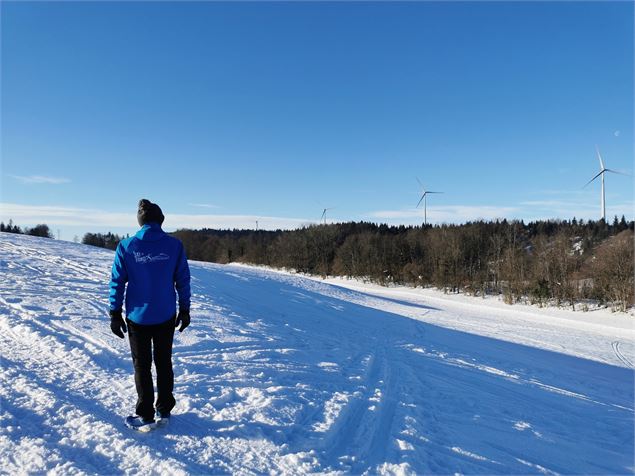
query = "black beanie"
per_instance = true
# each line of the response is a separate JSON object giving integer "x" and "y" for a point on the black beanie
{"x": 149, "y": 213}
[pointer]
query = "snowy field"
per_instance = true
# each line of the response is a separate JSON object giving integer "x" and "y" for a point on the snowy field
{"x": 284, "y": 374}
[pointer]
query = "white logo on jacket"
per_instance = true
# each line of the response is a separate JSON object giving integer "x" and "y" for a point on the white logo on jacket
{"x": 141, "y": 258}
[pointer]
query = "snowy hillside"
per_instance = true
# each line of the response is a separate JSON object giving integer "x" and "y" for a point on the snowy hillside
{"x": 285, "y": 374}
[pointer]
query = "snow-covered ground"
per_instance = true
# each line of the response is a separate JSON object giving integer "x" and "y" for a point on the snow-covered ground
{"x": 285, "y": 374}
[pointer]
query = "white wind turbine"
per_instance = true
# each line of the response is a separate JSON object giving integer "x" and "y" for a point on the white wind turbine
{"x": 601, "y": 173}
{"x": 424, "y": 199}
{"x": 323, "y": 217}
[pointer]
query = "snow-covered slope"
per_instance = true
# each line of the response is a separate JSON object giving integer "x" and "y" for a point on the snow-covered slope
{"x": 286, "y": 374}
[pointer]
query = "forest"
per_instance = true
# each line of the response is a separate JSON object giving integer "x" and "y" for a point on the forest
{"x": 570, "y": 263}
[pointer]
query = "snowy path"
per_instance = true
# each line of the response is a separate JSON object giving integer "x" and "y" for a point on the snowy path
{"x": 286, "y": 374}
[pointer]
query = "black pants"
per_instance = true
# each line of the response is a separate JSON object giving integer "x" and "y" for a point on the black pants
{"x": 146, "y": 342}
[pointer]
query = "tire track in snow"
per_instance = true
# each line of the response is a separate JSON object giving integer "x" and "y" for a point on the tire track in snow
{"x": 363, "y": 430}
{"x": 344, "y": 429}
{"x": 379, "y": 443}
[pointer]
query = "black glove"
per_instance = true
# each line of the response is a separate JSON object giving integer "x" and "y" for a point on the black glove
{"x": 117, "y": 325}
{"x": 183, "y": 319}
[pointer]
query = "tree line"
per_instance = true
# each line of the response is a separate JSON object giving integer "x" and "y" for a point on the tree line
{"x": 103, "y": 240}
{"x": 562, "y": 262}
{"x": 41, "y": 230}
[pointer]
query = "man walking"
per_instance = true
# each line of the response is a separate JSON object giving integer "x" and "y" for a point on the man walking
{"x": 152, "y": 264}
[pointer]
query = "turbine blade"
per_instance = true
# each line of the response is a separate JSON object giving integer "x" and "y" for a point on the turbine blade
{"x": 617, "y": 172}
{"x": 420, "y": 200}
{"x": 593, "y": 178}
{"x": 434, "y": 192}
{"x": 600, "y": 157}
{"x": 420, "y": 182}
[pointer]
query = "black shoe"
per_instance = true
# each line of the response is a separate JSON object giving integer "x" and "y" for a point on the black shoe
{"x": 140, "y": 424}
{"x": 163, "y": 418}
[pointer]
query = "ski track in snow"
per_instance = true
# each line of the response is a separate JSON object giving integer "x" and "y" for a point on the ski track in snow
{"x": 284, "y": 374}
{"x": 618, "y": 353}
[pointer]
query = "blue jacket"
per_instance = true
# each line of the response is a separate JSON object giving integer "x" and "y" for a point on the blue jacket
{"x": 153, "y": 264}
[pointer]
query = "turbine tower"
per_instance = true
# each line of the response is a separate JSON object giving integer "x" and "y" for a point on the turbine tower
{"x": 601, "y": 173}
{"x": 425, "y": 200}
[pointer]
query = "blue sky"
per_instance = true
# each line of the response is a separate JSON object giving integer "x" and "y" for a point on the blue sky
{"x": 228, "y": 113}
